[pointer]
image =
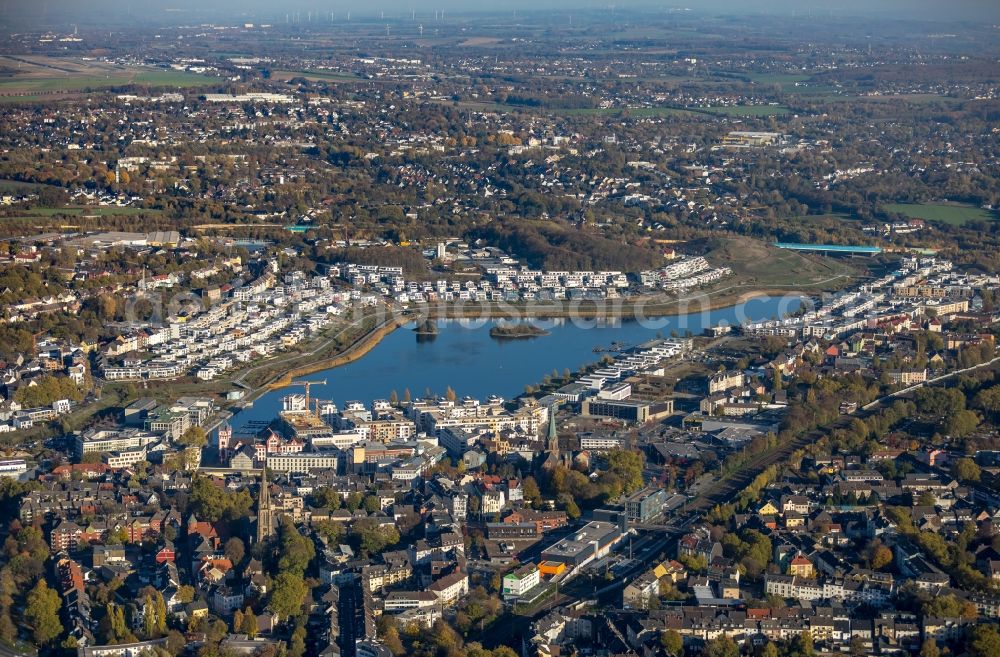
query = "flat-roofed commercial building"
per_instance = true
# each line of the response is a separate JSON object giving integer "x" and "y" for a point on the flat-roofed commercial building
{"x": 592, "y": 541}
{"x": 628, "y": 410}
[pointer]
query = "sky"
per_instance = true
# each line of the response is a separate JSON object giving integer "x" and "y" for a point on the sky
{"x": 978, "y": 10}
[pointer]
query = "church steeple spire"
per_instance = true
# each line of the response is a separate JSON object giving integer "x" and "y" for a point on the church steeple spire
{"x": 553, "y": 434}
{"x": 552, "y": 456}
{"x": 265, "y": 515}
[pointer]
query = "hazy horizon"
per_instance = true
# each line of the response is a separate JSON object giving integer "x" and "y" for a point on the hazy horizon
{"x": 47, "y": 11}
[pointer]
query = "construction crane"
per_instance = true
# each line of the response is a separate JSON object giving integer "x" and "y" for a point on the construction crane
{"x": 306, "y": 385}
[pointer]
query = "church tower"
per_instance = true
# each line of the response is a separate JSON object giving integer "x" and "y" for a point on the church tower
{"x": 265, "y": 515}
{"x": 552, "y": 436}
{"x": 225, "y": 439}
{"x": 552, "y": 455}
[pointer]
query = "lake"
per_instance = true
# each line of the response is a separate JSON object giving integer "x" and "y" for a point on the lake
{"x": 464, "y": 356}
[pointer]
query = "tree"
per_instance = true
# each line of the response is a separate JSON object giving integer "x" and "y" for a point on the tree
{"x": 248, "y": 624}
{"x": 296, "y": 550}
{"x": 804, "y": 644}
{"x": 297, "y": 646}
{"x": 193, "y": 437}
{"x": 175, "y": 642}
{"x": 936, "y": 546}
{"x": 569, "y": 506}
{"x": 211, "y": 502}
{"x": 930, "y": 649}
{"x": 354, "y": 500}
{"x": 939, "y": 401}
{"x": 288, "y": 595}
{"x": 628, "y": 466}
{"x": 326, "y": 497}
{"x": 961, "y": 423}
{"x": 672, "y": 642}
{"x": 988, "y": 400}
{"x": 42, "y": 613}
{"x": 371, "y": 504}
{"x": 948, "y": 606}
{"x": 392, "y": 641}
{"x": 388, "y": 632}
{"x": 770, "y": 650}
{"x": 372, "y": 537}
{"x": 984, "y": 641}
{"x": 235, "y": 550}
{"x": 881, "y": 557}
{"x": 331, "y": 530}
{"x": 115, "y": 629}
{"x": 965, "y": 469}
{"x": 532, "y": 494}
{"x": 450, "y": 394}
{"x": 148, "y": 617}
{"x": 161, "y": 613}
{"x": 722, "y": 646}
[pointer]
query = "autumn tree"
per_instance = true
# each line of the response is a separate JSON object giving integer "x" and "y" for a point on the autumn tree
{"x": 248, "y": 624}
{"x": 965, "y": 469}
{"x": 148, "y": 617}
{"x": 532, "y": 494}
{"x": 721, "y": 646}
{"x": 881, "y": 557}
{"x": 42, "y": 613}
{"x": 296, "y": 550}
{"x": 235, "y": 550}
{"x": 193, "y": 437}
{"x": 672, "y": 642}
{"x": 287, "y": 596}
{"x": 984, "y": 641}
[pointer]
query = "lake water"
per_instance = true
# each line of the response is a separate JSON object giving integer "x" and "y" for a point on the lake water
{"x": 465, "y": 357}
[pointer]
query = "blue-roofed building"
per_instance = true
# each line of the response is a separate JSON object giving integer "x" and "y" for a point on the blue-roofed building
{"x": 846, "y": 249}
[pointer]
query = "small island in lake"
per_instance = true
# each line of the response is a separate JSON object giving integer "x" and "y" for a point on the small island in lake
{"x": 426, "y": 327}
{"x": 515, "y": 331}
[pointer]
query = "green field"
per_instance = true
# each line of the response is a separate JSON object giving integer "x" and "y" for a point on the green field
{"x": 955, "y": 214}
{"x": 30, "y": 87}
{"x": 36, "y": 78}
